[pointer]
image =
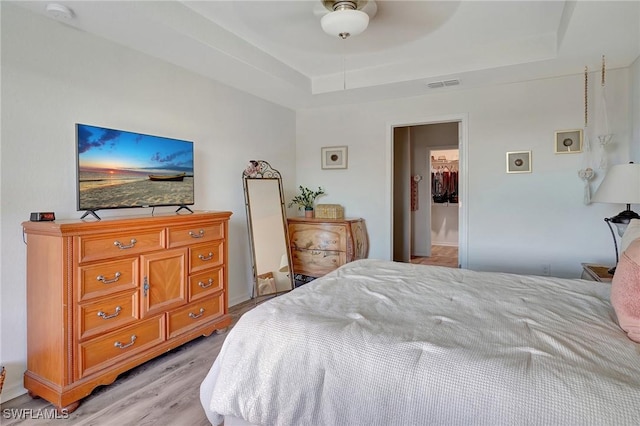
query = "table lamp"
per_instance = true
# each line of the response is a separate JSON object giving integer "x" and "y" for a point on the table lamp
{"x": 621, "y": 185}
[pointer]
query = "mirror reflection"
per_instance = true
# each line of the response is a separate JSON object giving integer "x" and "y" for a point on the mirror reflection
{"x": 267, "y": 222}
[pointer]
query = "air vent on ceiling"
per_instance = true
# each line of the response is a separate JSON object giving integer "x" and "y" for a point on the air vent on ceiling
{"x": 438, "y": 84}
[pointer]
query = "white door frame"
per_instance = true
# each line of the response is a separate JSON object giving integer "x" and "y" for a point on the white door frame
{"x": 463, "y": 182}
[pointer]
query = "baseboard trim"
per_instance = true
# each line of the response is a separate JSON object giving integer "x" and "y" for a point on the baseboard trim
{"x": 420, "y": 255}
{"x": 239, "y": 299}
{"x": 446, "y": 244}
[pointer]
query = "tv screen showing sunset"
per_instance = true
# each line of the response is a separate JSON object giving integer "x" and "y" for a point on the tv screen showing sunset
{"x": 124, "y": 169}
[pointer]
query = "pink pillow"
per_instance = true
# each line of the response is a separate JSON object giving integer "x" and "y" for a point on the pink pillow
{"x": 630, "y": 234}
{"x": 625, "y": 291}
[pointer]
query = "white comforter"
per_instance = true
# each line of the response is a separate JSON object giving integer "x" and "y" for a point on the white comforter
{"x": 378, "y": 342}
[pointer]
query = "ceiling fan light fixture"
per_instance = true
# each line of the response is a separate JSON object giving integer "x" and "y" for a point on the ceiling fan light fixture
{"x": 345, "y": 20}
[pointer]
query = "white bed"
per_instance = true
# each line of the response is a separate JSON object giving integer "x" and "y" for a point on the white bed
{"x": 379, "y": 342}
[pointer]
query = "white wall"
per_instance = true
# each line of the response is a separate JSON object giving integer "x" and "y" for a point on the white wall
{"x": 517, "y": 222}
{"x": 54, "y": 76}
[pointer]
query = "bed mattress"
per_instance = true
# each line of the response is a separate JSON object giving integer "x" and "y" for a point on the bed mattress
{"x": 378, "y": 342}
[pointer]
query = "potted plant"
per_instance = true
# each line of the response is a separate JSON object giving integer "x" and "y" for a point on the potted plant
{"x": 305, "y": 199}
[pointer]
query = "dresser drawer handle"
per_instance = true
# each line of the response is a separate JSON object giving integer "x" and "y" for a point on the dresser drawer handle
{"x": 198, "y": 235}
{"x": 121, "y": 346}
{"x": 204, "y": 285}
{"x": 205, "y": 258}
{"x": 103, "y": 315}
{"x": 194, "y": 316}
{"x": 123, "y": 247}
{"x": 115, "y": 278}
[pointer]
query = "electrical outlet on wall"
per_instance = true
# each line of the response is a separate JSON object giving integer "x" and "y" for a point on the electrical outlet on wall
{"x": 546, "y": 269}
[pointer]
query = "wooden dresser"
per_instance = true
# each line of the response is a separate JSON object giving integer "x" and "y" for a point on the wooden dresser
{"x": 105, "y": 296}
{"x": 318, "y": 246}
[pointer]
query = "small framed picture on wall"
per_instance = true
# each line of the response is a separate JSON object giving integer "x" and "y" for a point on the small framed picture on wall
{"x": 568, "y": 141}
{"x": 519, "y": 162}
{"x": 334, "y": 157}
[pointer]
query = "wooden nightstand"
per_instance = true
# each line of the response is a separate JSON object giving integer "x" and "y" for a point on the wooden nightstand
{"x": 318, "y": 246}
{"x": 595, "y": 272}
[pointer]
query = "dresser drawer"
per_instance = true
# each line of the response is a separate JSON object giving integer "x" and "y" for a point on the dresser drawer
{"x": 185, "y": 235}
{"x": 194, "y": 314}
{"x": 203, "y": 256}
{"x": 318, "y": 236}
{"x": 316, "y": 263}
{"x": 111, "y": 348}
{"x": 107, "y": 314}
{"x": 206, "y": 283}
{"x": 115, "y": 245}
{"x": 107, "y": 277}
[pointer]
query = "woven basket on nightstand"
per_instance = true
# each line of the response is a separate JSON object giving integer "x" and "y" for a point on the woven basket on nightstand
{"x": 329, "y": 211}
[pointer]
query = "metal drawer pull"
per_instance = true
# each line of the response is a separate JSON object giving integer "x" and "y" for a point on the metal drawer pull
{"x": 103, "y": 315}
{"x": 203, "y": 285}
{"x": 198, "y": 235}
{"x": 202, "y": 257}
{"x": 121, "y": 346}
{"x": 123, "y": 247}
{"x": 194, "y": 316}
{"x": 115, "y": 278}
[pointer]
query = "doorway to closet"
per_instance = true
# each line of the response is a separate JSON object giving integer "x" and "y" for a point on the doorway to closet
{"x": 427, "y": 193}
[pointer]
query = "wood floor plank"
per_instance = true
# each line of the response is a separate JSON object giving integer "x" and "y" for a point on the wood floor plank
{"x": 440, "y": 256}
{"x": 162, "y": 391}
{"x": 172, "y": 394}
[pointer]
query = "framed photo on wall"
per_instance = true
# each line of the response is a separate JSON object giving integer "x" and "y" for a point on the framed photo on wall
{"x": 519, "y": 162}
{"x": 334, "y": 157}
{"x": 568, "y": 141}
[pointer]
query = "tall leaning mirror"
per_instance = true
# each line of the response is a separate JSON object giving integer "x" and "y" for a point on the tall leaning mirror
{"x": 267, "y": 222}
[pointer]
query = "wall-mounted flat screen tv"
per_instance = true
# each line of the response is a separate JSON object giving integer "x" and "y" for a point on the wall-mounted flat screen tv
{"x": 121, "y": 169}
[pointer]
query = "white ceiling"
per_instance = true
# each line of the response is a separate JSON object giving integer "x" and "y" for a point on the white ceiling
{"x": 277, "y": 50}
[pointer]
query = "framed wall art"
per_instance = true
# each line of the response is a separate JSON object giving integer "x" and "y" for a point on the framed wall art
{"x": 334, "y": 157}
{"x": 568, "y": 141}
{"x": 519, "y": 162}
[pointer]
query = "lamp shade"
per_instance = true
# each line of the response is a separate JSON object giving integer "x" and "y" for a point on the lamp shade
{"x": 621, "y": 185}
{"x": 344, "y": 22}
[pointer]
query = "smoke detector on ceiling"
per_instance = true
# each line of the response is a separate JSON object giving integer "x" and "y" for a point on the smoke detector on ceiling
{"x": 59, "y": 11}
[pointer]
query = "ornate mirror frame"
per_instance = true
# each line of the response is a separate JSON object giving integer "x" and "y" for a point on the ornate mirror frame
{"x": 268, "y": 233}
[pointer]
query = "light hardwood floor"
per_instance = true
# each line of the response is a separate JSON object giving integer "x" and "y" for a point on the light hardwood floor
{"x": 163, "y": 391}
{"x": 440, "y": 256}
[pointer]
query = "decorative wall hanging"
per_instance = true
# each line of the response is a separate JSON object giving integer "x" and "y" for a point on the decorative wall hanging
{"x": 568, "y": 141}
{"x": 519, "y": 162}
{"x": 605, "y": 137}
{"x": 414, "y": 193}
{"x": 334, "y": 157}
{"x": 586, "y": 173}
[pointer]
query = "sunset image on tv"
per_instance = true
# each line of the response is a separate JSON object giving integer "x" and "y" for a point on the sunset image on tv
{"x": 125, "y": 169}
